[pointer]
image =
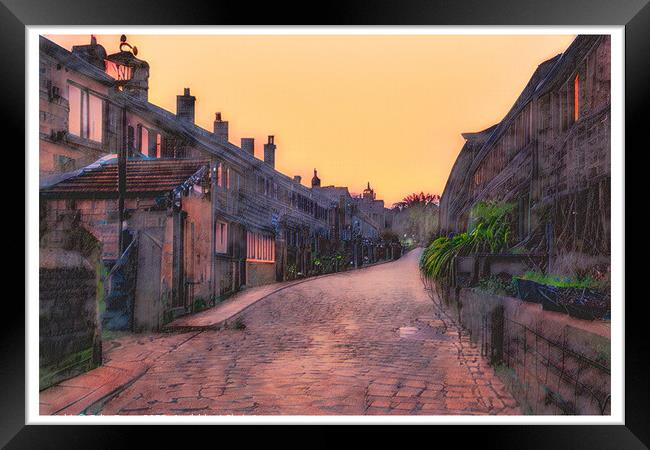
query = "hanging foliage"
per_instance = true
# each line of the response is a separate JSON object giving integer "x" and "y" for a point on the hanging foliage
{"x": 489, "y": 232}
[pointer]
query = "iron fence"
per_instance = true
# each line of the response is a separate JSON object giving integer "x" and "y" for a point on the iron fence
{"x": 550, "y": 376}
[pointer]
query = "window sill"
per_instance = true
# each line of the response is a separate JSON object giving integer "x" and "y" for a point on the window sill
{"x": 260, "y": 261}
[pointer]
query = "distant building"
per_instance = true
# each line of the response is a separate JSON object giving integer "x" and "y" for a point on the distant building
{"x": 358, "y": 222}
{"x": 375, "y": 209}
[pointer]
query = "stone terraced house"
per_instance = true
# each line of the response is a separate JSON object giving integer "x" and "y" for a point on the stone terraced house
{"x": 550, "y": 156}
{"x": 208, "y": 216}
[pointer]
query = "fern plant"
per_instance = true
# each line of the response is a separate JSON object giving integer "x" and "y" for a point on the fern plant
{"x": 489, "y": 231}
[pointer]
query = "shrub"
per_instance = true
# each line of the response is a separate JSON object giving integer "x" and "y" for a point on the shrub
{"x": 199, "y": 304}
{"x": 489, "y": 231}
{"x": 497, "y": 285}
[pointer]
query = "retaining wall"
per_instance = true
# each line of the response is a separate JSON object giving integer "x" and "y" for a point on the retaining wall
{"x": 69, "y": 332}
{"x": 553, "y": 363}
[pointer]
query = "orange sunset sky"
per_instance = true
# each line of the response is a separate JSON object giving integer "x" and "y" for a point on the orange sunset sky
{"x": 384, "y": 109}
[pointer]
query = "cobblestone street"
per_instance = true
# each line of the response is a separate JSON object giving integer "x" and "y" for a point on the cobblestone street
{"x": 361, "y": 342}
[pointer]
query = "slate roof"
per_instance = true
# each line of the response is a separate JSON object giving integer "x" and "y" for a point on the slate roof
{"x": 547, "y": 74}
{"x": 144, "y": 178}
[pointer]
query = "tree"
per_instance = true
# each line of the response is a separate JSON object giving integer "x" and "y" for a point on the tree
{"x": 418, "y": 200}
{"x": 416, "y": 217}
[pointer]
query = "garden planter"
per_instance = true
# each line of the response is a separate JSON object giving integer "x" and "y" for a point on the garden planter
{"x": 527, "y": 290}
{"x": 550, "y": 298}
{"x": 581, "y": 303}
{"x": 587, "y": 304}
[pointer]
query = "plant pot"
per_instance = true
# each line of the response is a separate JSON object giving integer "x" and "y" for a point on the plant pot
{"x": 527, "y": 290}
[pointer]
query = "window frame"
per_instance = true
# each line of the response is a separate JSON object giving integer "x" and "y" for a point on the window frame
{"x": 221, "y": 237}
{"x": 85, "y": 113}
{"x": 260, "y": 248}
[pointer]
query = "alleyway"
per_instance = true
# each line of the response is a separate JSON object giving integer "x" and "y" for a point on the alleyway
{"x": 361, "y": 342}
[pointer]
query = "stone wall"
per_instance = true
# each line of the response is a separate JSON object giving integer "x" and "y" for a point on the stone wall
{"x": 198, "y": 244}
{"x": 59, "y": 150}
{"x": 98, "y": 216}
{"x": 259, "y": 273}
{"x": 553, "y": 364}
{"x": 69, "y": 332}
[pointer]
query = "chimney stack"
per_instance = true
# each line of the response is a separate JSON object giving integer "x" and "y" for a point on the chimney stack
{"x": 248, "y": 145}
{"x": 185, "y": 106}
{"x": 93, "y": 53}
{"x": 297, "y": 178}
{"x": 220, "y": 128}
{"x": 269, "y": 152}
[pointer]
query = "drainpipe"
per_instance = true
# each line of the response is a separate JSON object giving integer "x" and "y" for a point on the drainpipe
{"x": 213, "y": 223}
{"x": 121, "y": 183}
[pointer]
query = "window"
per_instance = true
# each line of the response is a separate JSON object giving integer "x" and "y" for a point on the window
{"x": 158, "y": 145}
{"x": 259, "y": 247}
{"x": 95, "y": 118}
{"x": 144, "y": 140}
{"x": 130, "y": 139}
{"x": 221, "y": 239}
{"x": 228, "y": 178}
{"x": 74, "y": 116}
{"x": 152, "y": 148}
{"x": 85, "y": 114}
{"x": 576, "y": 98}
{"x": 219, "y": 175}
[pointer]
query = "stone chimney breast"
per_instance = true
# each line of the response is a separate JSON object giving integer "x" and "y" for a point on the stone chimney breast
{"x": 248, "y": 145}
{"x": 269, "y": 151}
{"x": 220, "y": 128}
{"x": 185, "y": 106}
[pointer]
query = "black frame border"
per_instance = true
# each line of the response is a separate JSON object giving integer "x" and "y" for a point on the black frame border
{"x": 634, "y": 15}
